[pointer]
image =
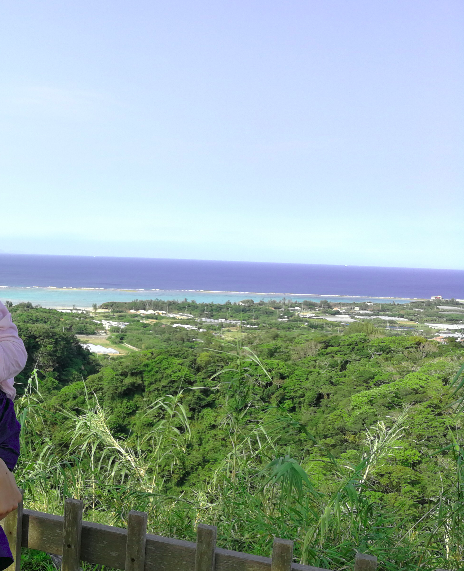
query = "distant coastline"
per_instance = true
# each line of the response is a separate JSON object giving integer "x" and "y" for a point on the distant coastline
{"x": 74, "y": 280}
{"x": 206, "y": 291}
{"x": 85, "y": 297}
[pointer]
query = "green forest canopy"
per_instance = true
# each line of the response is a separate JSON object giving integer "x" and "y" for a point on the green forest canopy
{"x": 276, "y": 417}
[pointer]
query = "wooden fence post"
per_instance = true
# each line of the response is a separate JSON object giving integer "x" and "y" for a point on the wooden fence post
{"x": 13, "y": 528}
{"x": 365, "y": 562}
{"x": 282, "y": 555}
{"x": 72, "y": 530}
{"x": 206, "y": 547}
{"x": 136, "y": 541}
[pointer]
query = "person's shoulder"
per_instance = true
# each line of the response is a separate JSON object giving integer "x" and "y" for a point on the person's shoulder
{"x": 4, "y": 313}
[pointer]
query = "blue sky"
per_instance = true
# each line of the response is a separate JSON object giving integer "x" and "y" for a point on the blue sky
{"x": 302, "y": 131}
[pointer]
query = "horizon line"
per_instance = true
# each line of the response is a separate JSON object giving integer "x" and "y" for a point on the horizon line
{"x": 228, "y": 261}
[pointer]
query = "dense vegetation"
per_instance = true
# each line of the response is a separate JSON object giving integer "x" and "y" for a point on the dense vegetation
{"x": 52, "y": 347}
{"x": 342, "y": 437}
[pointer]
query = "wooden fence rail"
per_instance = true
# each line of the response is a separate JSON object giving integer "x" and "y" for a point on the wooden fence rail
{"x": 132, "y": 549}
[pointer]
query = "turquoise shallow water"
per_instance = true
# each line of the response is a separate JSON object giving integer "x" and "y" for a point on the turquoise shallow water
{"x": 84, "y": 298}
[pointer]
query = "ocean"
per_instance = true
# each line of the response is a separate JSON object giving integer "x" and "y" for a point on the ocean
{"x": 64, "y": 281}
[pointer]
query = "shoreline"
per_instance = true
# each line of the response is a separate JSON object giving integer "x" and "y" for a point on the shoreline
{"x": 51, "y": 289}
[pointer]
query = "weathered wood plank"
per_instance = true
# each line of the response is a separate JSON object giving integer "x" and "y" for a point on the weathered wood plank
{"x": 101, "y": 544}
{"x": 136, "y": 541}
{"x": 235, "y": 561}
{"x": 282, "y": 555}
{"x": 365, "y": 562}
{"x": 13, "y": 528}
{"x": 105, "y": 545}
{"x": 72, "y": 533}
{"x": 43, "y": 532}
{"x": 167, "y": 554}
{"x": 206, "y": 546}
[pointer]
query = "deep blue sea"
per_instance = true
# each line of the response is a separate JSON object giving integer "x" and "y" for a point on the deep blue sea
{"x": 54, "y": 281}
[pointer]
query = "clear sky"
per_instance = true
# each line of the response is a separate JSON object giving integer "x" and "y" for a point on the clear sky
{"x": 313, "y": 131}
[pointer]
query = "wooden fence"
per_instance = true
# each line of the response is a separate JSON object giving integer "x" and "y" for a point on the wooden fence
{"x": 132, "y": 549}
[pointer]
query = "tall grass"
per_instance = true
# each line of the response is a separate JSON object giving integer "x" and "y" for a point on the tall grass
{"x": 258, "y": 491}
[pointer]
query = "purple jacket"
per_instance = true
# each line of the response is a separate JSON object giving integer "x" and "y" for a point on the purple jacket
{"x": 13, "y": 355}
